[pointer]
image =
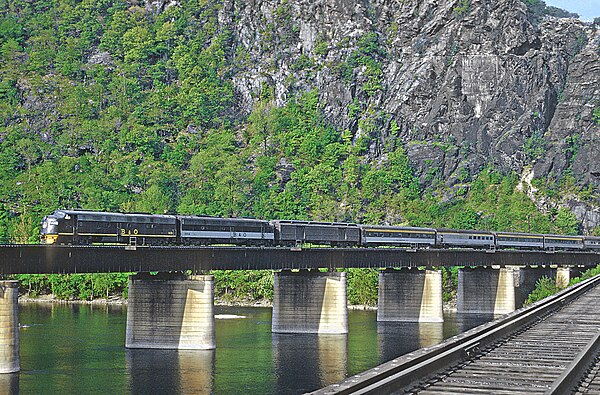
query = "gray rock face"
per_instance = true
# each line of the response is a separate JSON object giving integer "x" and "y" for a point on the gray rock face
{"x": 461, "y": 86}
{"x": 483, "y": 79}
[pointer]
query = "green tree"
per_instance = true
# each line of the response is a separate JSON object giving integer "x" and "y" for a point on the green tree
{"x": 565, "y": 222}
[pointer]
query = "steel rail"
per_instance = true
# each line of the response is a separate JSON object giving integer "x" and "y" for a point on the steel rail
{"x": 569, "y": 379}
{"x": 409, "y": 369}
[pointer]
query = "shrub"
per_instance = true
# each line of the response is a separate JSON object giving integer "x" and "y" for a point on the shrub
{"x": 544, "y": 287}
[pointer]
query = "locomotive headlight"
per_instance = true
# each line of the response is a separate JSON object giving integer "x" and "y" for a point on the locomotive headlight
{"x": 50, "y": 239}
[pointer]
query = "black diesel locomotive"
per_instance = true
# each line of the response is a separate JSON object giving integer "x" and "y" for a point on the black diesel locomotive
{"x": 90, "y": 227}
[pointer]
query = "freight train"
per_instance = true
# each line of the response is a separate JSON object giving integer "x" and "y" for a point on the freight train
{"x": 78, "y": 227}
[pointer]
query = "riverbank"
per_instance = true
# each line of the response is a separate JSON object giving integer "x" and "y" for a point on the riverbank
{"x": 51, "y": 299}
{"x": 449, "y": 306}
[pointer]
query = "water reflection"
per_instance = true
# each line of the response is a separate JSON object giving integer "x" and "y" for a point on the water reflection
{"x": 170, "y": 371}
{"x": 73, "y": 349}
{"x": 333, "y": 357}
{"x": 9, "y": 384}
{"x": 297, "y": 357}
{"x": 464, "y": 322}
{"x": 398, "y": 338}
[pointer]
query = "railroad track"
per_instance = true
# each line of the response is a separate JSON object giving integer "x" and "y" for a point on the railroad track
{"x": 544, "y": 348}
{"x": 590, "y": 384}
{"x": 530, "y": 361}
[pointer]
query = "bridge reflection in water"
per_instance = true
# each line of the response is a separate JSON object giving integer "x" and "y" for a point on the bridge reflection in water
{"x": 170, "y": 371}
{"x": 9, "y": 383}
{"x": 79, "y": 349}
{"x": 399, "y": 338}
{"x": 297, "y": 357}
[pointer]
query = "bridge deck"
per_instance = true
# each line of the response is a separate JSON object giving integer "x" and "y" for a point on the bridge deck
{"x": 20, "y": 259}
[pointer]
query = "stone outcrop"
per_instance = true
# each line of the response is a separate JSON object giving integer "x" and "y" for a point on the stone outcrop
{"x": 462, "y": 84}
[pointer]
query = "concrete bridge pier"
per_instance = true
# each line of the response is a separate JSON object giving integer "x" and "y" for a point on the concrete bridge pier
{"x": 564, "y": 274}
{"x": 410, "y": 295}
{"x": 170, "y": 311}
{"x": 310, "y": 302}
{"x": 486, "y": 291}
{"x": 10, "y": 361}
{"x": 497, "y": 291}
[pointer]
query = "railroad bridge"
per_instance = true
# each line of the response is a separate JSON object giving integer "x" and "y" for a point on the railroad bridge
{"x": 173, "y": 310}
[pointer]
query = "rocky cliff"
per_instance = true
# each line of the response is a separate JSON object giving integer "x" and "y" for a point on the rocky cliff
{"x": 462, "y": 84}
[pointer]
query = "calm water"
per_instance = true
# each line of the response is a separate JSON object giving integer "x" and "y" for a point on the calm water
{"x": 74, "y": 349}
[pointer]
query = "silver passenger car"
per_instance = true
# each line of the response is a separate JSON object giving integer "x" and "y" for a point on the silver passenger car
{"x": 519, "y": 240}
{"x": 464, "y": 238}
{"x": 563, "y": 242}
{"x": 591, "y": 242}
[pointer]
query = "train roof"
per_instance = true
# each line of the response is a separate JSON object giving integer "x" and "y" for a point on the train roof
{"x": 207, "y": 217}
{"x": 579, "y": 237}
{"x": 518, "y": 234}
{"x": 287, "y": 221}
{"x": 391, "y": 227}
{"x": 459, "y": 231}
{"x": 110, "y": 214}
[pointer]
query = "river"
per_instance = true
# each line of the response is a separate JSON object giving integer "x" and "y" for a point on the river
{"x": 79, "y": 349}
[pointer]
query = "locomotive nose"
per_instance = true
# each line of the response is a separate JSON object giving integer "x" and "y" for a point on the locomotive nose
{"x": 49, "y": 231}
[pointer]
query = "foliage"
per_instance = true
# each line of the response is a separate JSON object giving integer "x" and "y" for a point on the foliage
{"x": 572, "y": 146}
{"x": 585, "y": 275}
{"x": 462, "y": 8}
{"x": 449, "y": 282}
{"x": 367, "y": 55}
{"x": 544, "y": 287}
{"x": 565, "y": 222}
{"x": 539, "y": 9}
{"x": 233, "y": 285}
{"x": 559, "y": 12}
{"x": 534, "y": 146}
{"x": 596, "y": 116}
{"x": 321, "y": 46}
{"x": 363, "y": 286}
{"x": 74, "y": 286}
